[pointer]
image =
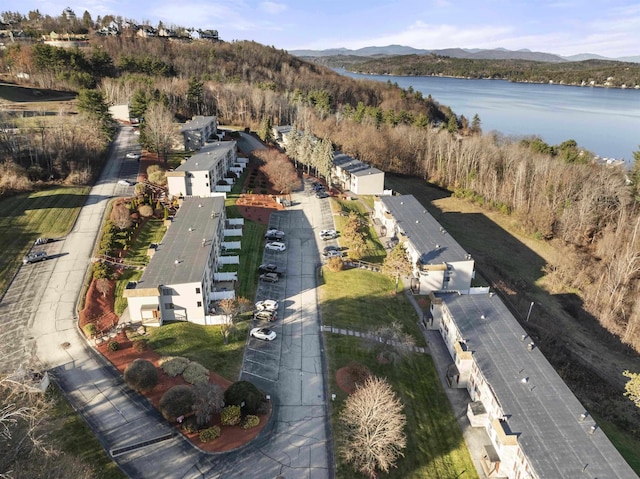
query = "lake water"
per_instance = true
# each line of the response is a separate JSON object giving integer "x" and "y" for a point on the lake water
{"x": 605, "y": 121}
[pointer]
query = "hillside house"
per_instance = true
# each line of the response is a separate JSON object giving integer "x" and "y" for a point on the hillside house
{"x": 535, "y": 425}
{"x": 439, "y": 262}
{"x": 180, "y": 282}
{"x": 211, "y": 171}
{"x": 355, "y": 176}
{"x": 198, "y": 131}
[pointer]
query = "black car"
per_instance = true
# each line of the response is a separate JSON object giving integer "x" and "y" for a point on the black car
{"x": 270, "y": 277}
{"x": 322, "y": 194}
{"x": 270, "y": 268}
{"x": 329, "y": 249}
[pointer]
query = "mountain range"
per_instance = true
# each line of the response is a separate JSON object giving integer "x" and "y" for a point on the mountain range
{"x": 475, "y": 53}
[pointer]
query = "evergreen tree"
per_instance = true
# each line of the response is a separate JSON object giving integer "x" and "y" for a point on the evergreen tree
{"x": 195, "y": 96}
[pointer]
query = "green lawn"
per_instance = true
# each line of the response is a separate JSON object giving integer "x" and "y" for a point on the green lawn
{"x": 435, "y": 447}
{"x": 23, "y": 218}
{"x": 203, "y": 344}
{"x": 250, "y": 258}
{"x": 624, "y": 441}
{"x": 71, "y": 435}
{"x": 152, "y": 231}
{"x": 364, "y": 300}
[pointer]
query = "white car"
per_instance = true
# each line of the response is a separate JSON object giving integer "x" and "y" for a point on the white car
{"x": 334, "y": 254}
{"x": 125, "y": 183}
{"x": 274, "y": 233}
{"x": 265, "y": 334}
{"x": 267, "y": 305}
{"x": 276, "y": 246}
{"x": 133, "y": 156}
{"x": 328, "y": 232}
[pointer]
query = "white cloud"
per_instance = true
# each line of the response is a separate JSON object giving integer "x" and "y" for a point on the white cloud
{"x": 273, "y": 8}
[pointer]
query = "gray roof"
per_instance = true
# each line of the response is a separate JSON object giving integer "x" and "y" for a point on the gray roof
{"x": 426, "y": 235}
{"x": 207, "y": 156}
{"x": 180, "y": 257}
{"x": 542, "y": 411}
{"x": 197, "y": 123}
{"x": 353, "y": 166}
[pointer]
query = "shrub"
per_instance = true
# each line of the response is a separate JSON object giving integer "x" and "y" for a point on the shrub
{"x": 230, "y": 416}
{"x": 210, "y": 434}
{"x": 90, "y": 330}
{"x": 335, "y": 264}
{"x": 177, "y": 401}
{"x": 140, "y": 346}
{"x": 250, "y": 421}
{"x": 102, "y": 270}
{"x": 195, "y": 373}
{"x": 145, "y": 211}
{"x": 244, "y": 391}
{"x": 141, "y": 375}
{"x": 113, "y": 346}
{"x": 190, "y": 425}
{"x": 358, "y": 373}
{"x": 173, "y": 365}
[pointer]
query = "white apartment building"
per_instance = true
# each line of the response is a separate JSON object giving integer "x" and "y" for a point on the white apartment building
{"x": 200, "y": 174}
{"x": 355, "y": 176}
{"x": 439, "y": 262}
{"x": 198, "y": 131}
{"x": 179, "y": 282}
{"x": 536, "y": 427}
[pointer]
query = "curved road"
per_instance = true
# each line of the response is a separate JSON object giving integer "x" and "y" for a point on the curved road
{"x": 296, "y": 443}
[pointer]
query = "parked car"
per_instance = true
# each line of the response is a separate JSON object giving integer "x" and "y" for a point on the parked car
{"x": 267, "y": 304}
{"x": 41, "y": 241}
{"x": 133, "y": 156}
{"x": 276, "y": 246}
{"x": 269, "y": 277}
{"x": 274, "y": 238}
{"x": 322, "y": 194}
{"x": 35, "y": 257}
{"x": 330, "y": 248}
{"x": 334, "y": 254}
{"x": 270, "y": 268}
{"x": 265, "y": 315}
{"x": 125, "y": 183}
{"x": 265, "y": 334}
{"x": 328, "y": 234}
{"x": 274, "y": 232}
{"x": 318, "y": 186}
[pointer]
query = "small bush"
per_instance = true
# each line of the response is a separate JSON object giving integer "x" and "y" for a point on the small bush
{"x": 250, "y": 421}
{"x": 210, "y": 434}
{"x": 176, "y": 402}
{"x": 113, "y": 346}
{"x": 358, "y": 373}
{"x": 244, "y": 392}
{"x": 90, "y": 330}
{"x": 102, "y": 270}
{"x": 145, "y": 211}
{"x": 335, "y": 264}
{"x": 173, "y": 365}
{"x": 141, "y": 375}
{"x": 195, "y": 373}
{"x": 230, "y": 416}
{"x": 140, "y": 346}
{"x": 190, "y": 425}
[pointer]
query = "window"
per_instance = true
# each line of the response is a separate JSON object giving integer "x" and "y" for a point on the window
{"x": 168, "y": 305}
{"x": 197, "y": 290}
{"x": 199, "y": 304}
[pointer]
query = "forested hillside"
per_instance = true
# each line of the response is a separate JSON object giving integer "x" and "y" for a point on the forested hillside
{"x": 554, "y": 193}
{"x": 602, "y": 73}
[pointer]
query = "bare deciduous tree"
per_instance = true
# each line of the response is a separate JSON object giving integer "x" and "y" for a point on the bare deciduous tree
{"x": 397, "y": 264}
{"x": 103, "y": 285}
{"x": 159, "y": 131}
{"x": 209, "y": 400}
{"x": 391, "y": 343}
{"x": 232, "y": 308}
{"x": 372, "y": 428}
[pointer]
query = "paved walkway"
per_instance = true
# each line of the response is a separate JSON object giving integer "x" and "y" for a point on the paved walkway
{"x": 369, "y": 336}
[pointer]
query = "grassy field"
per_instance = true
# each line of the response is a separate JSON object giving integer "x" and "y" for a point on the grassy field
{"x": 364, "y": 300}
{"x": 152, "y": 231}
{"x": 72, "y": 436}
{"x": 203, "y": 344}
{"x": 23, "y": 218}
{"x": 361, "y": 299}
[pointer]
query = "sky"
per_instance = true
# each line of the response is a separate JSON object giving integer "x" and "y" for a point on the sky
{"x": 565, "y": 27}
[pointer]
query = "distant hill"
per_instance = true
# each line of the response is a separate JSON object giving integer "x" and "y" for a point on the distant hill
{"x": 470, "y": 53}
